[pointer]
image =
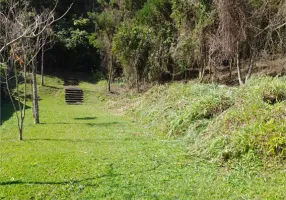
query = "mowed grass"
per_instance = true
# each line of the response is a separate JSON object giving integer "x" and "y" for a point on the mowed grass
{"x": 84, "y": 152}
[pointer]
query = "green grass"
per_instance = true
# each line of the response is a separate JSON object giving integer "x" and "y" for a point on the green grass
{"x": 182, "y": 109}
{"x": 84, "y": 152}
{"x": 222, "y": 123}
{"x": 253, "y": 128}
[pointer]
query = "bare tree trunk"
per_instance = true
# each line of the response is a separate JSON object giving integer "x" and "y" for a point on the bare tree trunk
{"x": 20, "y": 119}
{"x": 110, "y": 73}
{"x": 202, "y": 70}
{"x": 32, "y": 96}
{"x": 238, "y": 71}
{"x": 35, "y": 95}
{"x": 230, "y": 69}
{"x": 42, "y": 65}
{"x": 238, "y": 66}
{"x": 137, "y": 79}
{"x": 23, "y": 111}
{"x": 249, "y": 73}
{"x": 110, "y": 64}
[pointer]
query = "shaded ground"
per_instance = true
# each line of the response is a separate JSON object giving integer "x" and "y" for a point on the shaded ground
{"x": 83, "y": 152}
{"x": 7, "y": 110}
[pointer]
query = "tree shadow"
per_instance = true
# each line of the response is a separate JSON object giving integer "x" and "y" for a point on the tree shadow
{"x": 7, "y": 110}
{"x": 85, "y": 118}
{"x": 68, "y": 140}
{"x": 89, "y": 124}
{"x": 73, "y": 182}
{"x": 110, "y": 174}
{"x": 52, "y": 87}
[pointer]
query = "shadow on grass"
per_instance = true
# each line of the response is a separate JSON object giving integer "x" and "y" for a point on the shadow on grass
{"x": 52, "y": 87}
{"x": 70, "y": 140}
{"x": 47, "y": 182}
{"x": 89, "y": 124}
{"x": 7, "y": 110}
{"x": 85, "y": 118}
{"x": 110, "y": 174}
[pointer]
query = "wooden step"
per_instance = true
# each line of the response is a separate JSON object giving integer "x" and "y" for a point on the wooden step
{"x": 73, "y": 95}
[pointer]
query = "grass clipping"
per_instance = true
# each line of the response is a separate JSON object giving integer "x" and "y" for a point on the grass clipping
{"x": 222, "y": 123}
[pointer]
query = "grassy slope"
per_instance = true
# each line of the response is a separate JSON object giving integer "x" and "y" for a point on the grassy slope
{"x": 83, "y": 152}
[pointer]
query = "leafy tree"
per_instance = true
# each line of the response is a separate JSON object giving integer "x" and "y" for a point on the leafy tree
{"x": 106, "y": 23}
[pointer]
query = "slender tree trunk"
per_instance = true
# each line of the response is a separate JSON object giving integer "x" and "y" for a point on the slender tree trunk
{"x": 249, "y": 73}
{"x": 110, "y": 73}
{"x": 42, "y": 66}
{"x": 238, "y": 69}
{"x": 137, "y": 79}
{"x": 209, "y": 65}
{"x": 202, "y": 70}
{"x": 20, "y": 132}
{"x": 110, "y": 65}
{"x": 32, "y": 96}
{"x": 35, "y": 94}
{"x": 12, "y": 100}
{"x": 23, "y": 111}
{"x": 230, "y": 69}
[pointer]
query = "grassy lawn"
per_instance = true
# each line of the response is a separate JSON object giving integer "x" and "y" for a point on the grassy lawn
{"x": 84, "y": 152}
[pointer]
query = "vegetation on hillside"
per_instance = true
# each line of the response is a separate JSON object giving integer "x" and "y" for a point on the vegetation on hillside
{"x": 83, "y": 152}
{"x": 221, "y": 123}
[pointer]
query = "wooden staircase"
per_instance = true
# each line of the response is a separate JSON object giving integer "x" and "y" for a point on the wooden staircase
{"x": 73, "y": 95}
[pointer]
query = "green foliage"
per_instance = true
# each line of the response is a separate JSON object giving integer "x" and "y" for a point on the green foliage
{"x": 107, "y": 23}
{"x": 142, "y": 44}
{"x": 131, "y": 45}
{"x": 191, "y": 20}
{"x": 154, "y": 13}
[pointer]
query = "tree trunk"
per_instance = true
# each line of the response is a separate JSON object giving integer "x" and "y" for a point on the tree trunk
{"x": 230, "y": 69}
{"x": 202, "y": 70}
{"x": 238, "y": 69}
{"x": 137, "y": 80}
{"x": 110, "y": 63}
{"x": 21, "y": 132}
{"x": 110, "y": 73}
{"x": 23, "y": 108}
{"x": 35, "y": 95}
{"x": 42, "y": 66}
{"x": 249, "y": 73}
{"x": 32, "y": 98}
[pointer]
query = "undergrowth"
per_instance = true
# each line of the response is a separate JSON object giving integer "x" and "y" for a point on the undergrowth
{"x": 179, "y": 109}
{"x": 222, "y": 123}
{"x": 253, "y": 127}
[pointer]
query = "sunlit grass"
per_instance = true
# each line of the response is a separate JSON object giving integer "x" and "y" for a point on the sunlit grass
{"x": 84, "y": 152}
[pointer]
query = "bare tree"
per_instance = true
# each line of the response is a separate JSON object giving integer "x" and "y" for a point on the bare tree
{"x": 21, "y": 29}
{"x": 232, "y": 31}
{"x": 33, "y": 27}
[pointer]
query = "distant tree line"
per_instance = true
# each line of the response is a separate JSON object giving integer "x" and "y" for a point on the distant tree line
{"x": 163, "y": 40}
{"x": 159, "y": 40}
